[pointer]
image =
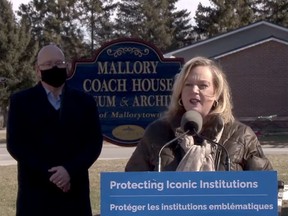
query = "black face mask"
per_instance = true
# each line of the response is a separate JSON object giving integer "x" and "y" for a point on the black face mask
{"x": 54, "y": 76}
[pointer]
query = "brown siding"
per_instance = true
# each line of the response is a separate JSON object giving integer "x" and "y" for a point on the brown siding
{"x": 258, "y": 77}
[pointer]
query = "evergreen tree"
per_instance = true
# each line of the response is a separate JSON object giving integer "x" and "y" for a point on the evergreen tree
{"x": 182, "y": 34}
{"x": 97, "y": 18}
{"x": 223, "y": 16}
{"x": 280, "y": 13}
{"x": 56, "y": 21}
{"x": 81, "y": 26}
{"x": 148, "y": 20}
{"x": 153, "y": 21}
{"x": 17, "y": 53}
{"x": 275, "y": 11}
{"x": 128, "y": 19}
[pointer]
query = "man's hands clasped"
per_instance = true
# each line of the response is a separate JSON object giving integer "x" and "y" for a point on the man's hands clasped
{"x": 60, "y": 178}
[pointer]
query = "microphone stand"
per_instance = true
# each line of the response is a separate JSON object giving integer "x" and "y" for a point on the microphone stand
{"x": 228, "y": 161}
{"x": 167, "y": 144}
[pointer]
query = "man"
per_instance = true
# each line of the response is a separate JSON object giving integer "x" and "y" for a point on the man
{"x": 54, "y": 133}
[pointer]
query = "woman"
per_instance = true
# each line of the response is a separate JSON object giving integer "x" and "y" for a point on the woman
{"x": 200, "y": 86}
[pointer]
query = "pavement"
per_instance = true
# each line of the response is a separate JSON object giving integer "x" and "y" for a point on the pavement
{"x": 112, "y": 151}
{"x": 109, "y": 152}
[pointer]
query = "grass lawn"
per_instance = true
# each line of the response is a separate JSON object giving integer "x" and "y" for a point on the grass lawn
{"x": 8, "y": 179}
{"x": 8, "y": 184}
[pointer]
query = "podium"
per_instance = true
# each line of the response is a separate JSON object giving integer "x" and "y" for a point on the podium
{"x": 249, "y": 193}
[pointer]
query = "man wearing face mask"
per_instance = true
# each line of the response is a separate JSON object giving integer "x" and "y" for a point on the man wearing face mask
{"x": 54, "y": 133}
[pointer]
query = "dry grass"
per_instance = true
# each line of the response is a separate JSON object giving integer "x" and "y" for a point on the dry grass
{"x": 8, "y": 190}
{"x": 96, "y": 169}
{"x": 280, "y": 163}
{"x": 8, "y": 184}
{"x": 2, "y": 136}
{"x": 8, "y": 178}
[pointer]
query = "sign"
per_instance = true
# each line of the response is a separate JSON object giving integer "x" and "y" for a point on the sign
{"x": 131, "y": 82}
{"x": 249, "y": 193}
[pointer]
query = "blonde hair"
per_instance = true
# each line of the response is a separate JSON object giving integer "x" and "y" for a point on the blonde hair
{"x": 223, "y": 106}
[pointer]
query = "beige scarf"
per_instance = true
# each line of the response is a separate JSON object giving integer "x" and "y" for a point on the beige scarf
{"x": 197, "y": 157}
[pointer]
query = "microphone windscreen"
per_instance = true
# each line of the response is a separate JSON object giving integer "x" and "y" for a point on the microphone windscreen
{"x": 192, "y": 121}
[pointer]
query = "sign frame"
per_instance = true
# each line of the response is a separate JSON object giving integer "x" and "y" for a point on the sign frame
{"x": 131, "y": 82}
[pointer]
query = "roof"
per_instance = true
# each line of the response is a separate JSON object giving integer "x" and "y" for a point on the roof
{"x": 234, "y": 40}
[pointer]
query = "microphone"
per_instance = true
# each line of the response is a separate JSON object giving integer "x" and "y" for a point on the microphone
{"x": 228, "y": 161}
{"x": 191, "y": 122}
{"x": 167, "y": 144}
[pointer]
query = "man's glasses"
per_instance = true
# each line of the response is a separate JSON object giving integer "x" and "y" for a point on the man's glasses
{"x": 50, "y": 65}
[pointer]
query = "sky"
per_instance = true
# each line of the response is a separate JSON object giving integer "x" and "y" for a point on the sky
{"x": 190, "y": 5}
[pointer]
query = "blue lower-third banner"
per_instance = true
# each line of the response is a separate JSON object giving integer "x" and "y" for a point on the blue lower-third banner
{"x": 249, "y": 193}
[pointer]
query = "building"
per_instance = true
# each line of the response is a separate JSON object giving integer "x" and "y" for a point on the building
{"x": 254, "y": 58}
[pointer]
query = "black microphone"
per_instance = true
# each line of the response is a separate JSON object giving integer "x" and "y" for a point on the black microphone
{"x": 191, "y": 122}
{"x": 167, "y": 144}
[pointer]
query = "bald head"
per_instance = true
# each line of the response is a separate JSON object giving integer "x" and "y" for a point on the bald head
{"x": 51, "y": 67}
{"x": 50, "y": 53}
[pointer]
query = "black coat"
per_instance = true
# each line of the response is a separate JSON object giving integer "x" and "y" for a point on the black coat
{"x": 39, "y": 137}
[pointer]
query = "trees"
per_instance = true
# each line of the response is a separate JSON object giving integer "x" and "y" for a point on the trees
{"x": 182, "y": 34}
{"x": 55, "y": 21}
{"x": 153, "y": 21}
{"x": 81, "y": 26}
{"x": 78, "y": 26}
{"x": 97, "y": 17}
{"x": 223, "y": 15}
{"x": 144, "y": 19}
{"x": 275, "y": 11}
{"x": 17, "y": 53}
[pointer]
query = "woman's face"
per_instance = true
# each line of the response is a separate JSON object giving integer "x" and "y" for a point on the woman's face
{"x": 198, "y": 90}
